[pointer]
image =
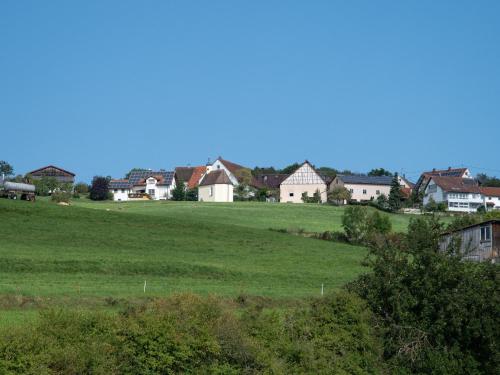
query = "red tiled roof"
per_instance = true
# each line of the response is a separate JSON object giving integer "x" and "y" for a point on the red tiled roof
{"x": 491, "y": 191}
{"x": 196, "y": 176}
{"x": 456, "y": 184}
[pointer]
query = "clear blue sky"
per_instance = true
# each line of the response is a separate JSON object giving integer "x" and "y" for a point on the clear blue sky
{"x": 99, "y": 87}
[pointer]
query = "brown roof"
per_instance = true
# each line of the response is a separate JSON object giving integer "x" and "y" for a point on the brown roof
{"x": 196, "y": 176}
{"x": 271, "y": 180}
{"x": 450, "y": 172}
{"x": 183, "y": 173}
{"x": 490, "y": 191}
{"x": 456, "y": 184}
{"x": 216, "y": 177}
{"x": 53, "y": 167}
{"x": 233, "y": 167}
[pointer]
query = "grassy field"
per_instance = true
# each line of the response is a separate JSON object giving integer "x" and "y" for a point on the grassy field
{"x": 91, "y": 254}
{"x": 310, "y": 217}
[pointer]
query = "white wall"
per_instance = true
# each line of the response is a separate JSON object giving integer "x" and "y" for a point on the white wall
{"x": 468, "y": 203}
{"x": 120, "y": 194}
{"x": 303, "y": 180}
{"x": 215, "y": 193}
{"x": 218, "y": 165}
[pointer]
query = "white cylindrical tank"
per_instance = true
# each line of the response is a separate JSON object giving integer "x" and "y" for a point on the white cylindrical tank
{"x": 16, "y": 186}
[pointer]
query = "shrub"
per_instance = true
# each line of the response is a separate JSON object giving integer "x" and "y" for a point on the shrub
{"x": 438, "y": 313}
{"x": 61, "y": 196}
{"x": 99, "y": 190}
{"x": 360, "y": 225}
{"x": 81, "y": 188}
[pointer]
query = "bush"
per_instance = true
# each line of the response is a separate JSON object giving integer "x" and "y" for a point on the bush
{"x": 437, "y": 313}
{"x": 360, "y": 226}
{"x": 192, "y": 334}
{"x": 61, "y": 196}
{"x": 99, "y": 190}
{"x": 81, "y": 188}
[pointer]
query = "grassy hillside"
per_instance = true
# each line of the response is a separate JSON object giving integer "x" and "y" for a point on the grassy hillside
{"x": 75, "y": 252}
{"x": 311, "y": 217}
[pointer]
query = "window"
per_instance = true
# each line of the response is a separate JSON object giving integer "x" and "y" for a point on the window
{"x": 218, "y": 166}
{"x": 377, "y": 192}
{"x": 452, "y": 204}
{"x": 463, "y": 204}
{"x": 351, "y": 190}
{"x": 123, "y": 190}
{"x": 457, "y": 196}
{"x": 432, "y": 188}
{"x": 116, "y": 190}
{"x": 290, "y": 194}
{"x": 364, "y": 191}
{"x": 151, "y": 192}
{"x": 211, "y": 191}
{"x": 486, "y": 233}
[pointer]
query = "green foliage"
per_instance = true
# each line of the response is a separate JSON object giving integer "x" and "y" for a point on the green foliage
{"x": 438, "y": 313}
{"x": 379, "y": 172}
{"x": 61, "y": 196}
{"x": 6, "y": 169}
{"x": 191, "y": 334}
{"x": 179, "y": 192}
{"x": 395, "y": 195}
{"x": 432, "y": 206}
{"x": 192, "y": 194}
{"x": 486, "y": 180}
{"x": 339, "y": 194}
{"x": 46, "y": 185}
{"x": 81, "y": 188}
{"x": 99, "y": 189}
{"x": 316, "y": 198}
{"x": 360, "y": 225}
{"x": 263, "y": 170}
{"x": 382, "y": 202}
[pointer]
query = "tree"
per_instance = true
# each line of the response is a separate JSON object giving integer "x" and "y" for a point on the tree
{"x": 382, "y": 202}
{"x": 327, "y": 171}
{"x": 81, "y": 188}
{"x": 489, "y": 181}
{"x": 355, "y": 223}
{"x": 290, "y": 168}
{"x": 179, "y": 192}
{"x": 438, "y": 313}
{"x": 192, "y": 194}
{"x": 339, "y": 194}
{"x": 6, "y": 168}
{"x": 379, "y": 172}
{"x": 263, "y": 170}
{"x": 99, "y": 189}
{"x": 395, "y": 195}
{"x": 244, "y": 176}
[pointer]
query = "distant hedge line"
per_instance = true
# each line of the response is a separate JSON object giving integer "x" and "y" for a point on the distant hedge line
{"x": 192, "y": 334}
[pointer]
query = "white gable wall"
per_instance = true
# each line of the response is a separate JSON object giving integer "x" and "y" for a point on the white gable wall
{"x": 304, "y": 179}
{"x": 218, "y": 165}
{"x": 215, "y": 193}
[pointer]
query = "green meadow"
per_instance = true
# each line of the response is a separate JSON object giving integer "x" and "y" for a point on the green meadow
{"x": 93, "y": 254}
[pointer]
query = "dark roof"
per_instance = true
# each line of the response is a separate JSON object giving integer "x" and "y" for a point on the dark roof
{"x": 139, "y": 177}
{"x": 366, "y": 180}
{"x": 271, "y": 180}
{"x": 493, "y": 221}
{"x": 456, "y": 184}
{"x": 53, "y": 167}
{"x": 184, "y": 173}
{"x": 450, "y": 172}
{"x": 119, "y": 184}
{"x": 218, "y": 176}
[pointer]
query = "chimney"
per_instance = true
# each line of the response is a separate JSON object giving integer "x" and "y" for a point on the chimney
{"x": 434, "y": 169}
{"x": 449, "y": 168}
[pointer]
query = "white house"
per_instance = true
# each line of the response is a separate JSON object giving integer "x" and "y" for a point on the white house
{"x": 366, "y": 188}
{"x": 305, "y": 179}
{"x": 215, "y": 186}
{"x": 450, "y": 172}
{"x": 460, "y": 194}
{"x": 140, "y": 184}
{"x": 491, "y": 197}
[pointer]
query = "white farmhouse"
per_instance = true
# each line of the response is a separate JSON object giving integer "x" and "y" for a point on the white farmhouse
{"x": 460, "y": 194}
{"x": 491, "y": 197}
{"x": 215, "y": 186}
{"x": 305, "y": 179}
{"x": 141, "y": 184}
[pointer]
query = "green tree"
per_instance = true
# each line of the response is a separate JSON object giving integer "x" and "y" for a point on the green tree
{"x": 81, "y": 188}
{"x": 6, "y": 169}
{"x": 395, "y": 195}
{"x": 290, "y": 168}
{"x": 99, "y": 189}
{"x": 339, "y": 194}
{"x": 355, "y": 223}
{"x": 192, "y": 194}
{"x": 438, "y": 313}
{"x": 379, "y": 172}
{"x": 179, "y": 192}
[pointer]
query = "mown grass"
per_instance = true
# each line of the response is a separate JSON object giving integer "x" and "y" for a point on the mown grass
{"x": 49, "y": 251}
{"x": 310, "y": 217}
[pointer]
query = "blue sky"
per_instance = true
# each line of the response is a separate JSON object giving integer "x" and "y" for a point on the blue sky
{"x": 99, "y": 87}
